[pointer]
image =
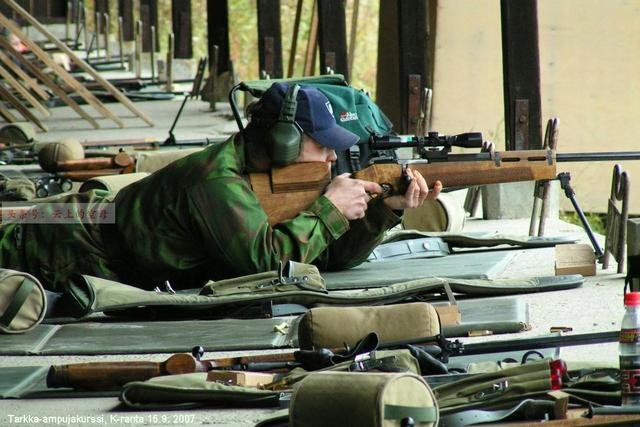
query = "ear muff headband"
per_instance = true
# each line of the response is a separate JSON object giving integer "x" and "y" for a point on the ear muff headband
{"x": 284, "y": 138}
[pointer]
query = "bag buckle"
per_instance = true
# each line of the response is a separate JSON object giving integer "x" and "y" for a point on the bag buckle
{"x": 366, "y": 362}
{"x": 497, "y": 388}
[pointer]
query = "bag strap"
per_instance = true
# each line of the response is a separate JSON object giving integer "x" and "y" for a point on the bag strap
{"x": 17, "y": 302}
{"x": 422, "y": 414}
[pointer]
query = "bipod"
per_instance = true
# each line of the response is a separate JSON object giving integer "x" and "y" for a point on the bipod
{"x": 565, "y": 184}
{"x": 195, "y": 90}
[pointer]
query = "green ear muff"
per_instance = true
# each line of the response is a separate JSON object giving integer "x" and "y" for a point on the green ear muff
{"x": 284, "y": 138}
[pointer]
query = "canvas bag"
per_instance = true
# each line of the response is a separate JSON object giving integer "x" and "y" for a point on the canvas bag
{"x": 22, "y": 302}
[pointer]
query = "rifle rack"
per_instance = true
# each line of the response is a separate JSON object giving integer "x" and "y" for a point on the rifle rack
{"x": 59, "y": 71}
{"x": 617, "y": 217}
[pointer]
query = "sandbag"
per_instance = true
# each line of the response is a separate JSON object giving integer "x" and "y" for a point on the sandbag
{"x": 63, "y": 150}
{"x": 332, "y": 327}
{"x": 368, "y": 400}
{"x": 152, "y": 161}
{"x": 111, "y": 183}
{"x": 442, "y": 214}
{"x": 22, "y": 302}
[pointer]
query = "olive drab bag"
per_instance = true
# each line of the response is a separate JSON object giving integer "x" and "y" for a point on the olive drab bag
{"x": 352, "y": 108}
{"x": 22, "y": 302}
{"x": 367, "y": 400}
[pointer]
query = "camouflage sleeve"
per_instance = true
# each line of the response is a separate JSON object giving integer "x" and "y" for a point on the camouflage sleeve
{"x": 363, "y": 236}
{"x": 235, "y": 228}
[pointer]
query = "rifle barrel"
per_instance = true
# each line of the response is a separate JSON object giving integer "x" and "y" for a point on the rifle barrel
{"x": 539, "y": 343}
{"x": 598, "y": 156}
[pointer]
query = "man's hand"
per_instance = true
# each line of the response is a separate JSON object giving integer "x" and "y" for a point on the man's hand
{"x": 351, "y": 196}
{"x": 416, "y": 193}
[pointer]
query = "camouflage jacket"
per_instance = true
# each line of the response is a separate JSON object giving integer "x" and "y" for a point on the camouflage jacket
{"x": 194, "y": 220}
{"x": 198, "y": 219}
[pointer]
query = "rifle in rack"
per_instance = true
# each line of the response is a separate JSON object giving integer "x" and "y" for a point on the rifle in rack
{"x": 284, "y": 192}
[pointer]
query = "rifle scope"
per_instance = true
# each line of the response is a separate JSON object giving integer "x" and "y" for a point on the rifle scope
{"x": 433, "y": 139}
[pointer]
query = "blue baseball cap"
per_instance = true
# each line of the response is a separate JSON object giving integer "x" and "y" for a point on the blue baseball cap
{"x": 313, "y": 114}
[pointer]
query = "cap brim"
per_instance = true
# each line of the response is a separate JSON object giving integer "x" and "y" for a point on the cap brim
{"x": 335, "y": 137}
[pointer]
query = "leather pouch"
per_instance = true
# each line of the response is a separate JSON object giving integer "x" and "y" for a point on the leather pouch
{"x": 331, "y": 327}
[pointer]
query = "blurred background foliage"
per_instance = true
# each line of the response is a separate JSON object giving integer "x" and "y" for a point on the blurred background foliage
{"x": 243, "y": 35}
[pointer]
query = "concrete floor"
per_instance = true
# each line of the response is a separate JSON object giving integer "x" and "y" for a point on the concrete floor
{"x": 597, "y": 306}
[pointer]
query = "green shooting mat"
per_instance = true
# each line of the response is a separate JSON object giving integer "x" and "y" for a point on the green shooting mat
{"x": 480, "y": 265}
{"x": 23, "y": 382}
{"x": 108, "y": 337}
{"x": 506, "y": 315}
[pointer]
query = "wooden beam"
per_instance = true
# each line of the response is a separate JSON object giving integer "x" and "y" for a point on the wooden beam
{"x": 24, "y": 111}
{"x": 521, "y": 74}
{"x": 22, "y": 75}
{"x": 181, "y": 23}
{"x": 43, "y": 56}
{"x": 269, "y": 38}
{"x": 45, "y": 79}
{"x": 17, "y": 86}
{"x": 81, "y": 63}
{"x": 332, "y": 36}
{"x": 6, "y": 115}
{"x": 218, "y": 30}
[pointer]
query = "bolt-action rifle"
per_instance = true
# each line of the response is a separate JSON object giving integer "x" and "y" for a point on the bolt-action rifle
{"x": 432, "y": 352}
{"x": 286, "y": 191}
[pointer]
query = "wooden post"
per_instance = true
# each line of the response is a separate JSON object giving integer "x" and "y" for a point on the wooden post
{"x": 82, "y": 64}
{"x": 181, "y": 24}
{"x": 312, "y": 43}
{"x": 149, "y": 17}
{"x": 125, "y": 10}
{"x": 353, "y": 33}
{"x": 521, "y": 74}
{"x": 218, "y": 30}
{"x": 333, "y": 37}
{"x": 4, "y": 43}
{"x": 412, "y": 48}
{"x": 269, "y": 38}
{"x": 294, "y": 39}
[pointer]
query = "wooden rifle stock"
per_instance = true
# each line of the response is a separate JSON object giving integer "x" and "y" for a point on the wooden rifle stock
{"x": 120, "y": 160}
{"x": 114, "y": 375}
{"x": 306, "y": 181}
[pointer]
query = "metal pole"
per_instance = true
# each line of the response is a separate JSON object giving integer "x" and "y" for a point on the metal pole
{"x": 171, "y": 44}
{"x": 153, "y": 53}
{"x": 121, "y": 40}
{"x": 107, "y": 30}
